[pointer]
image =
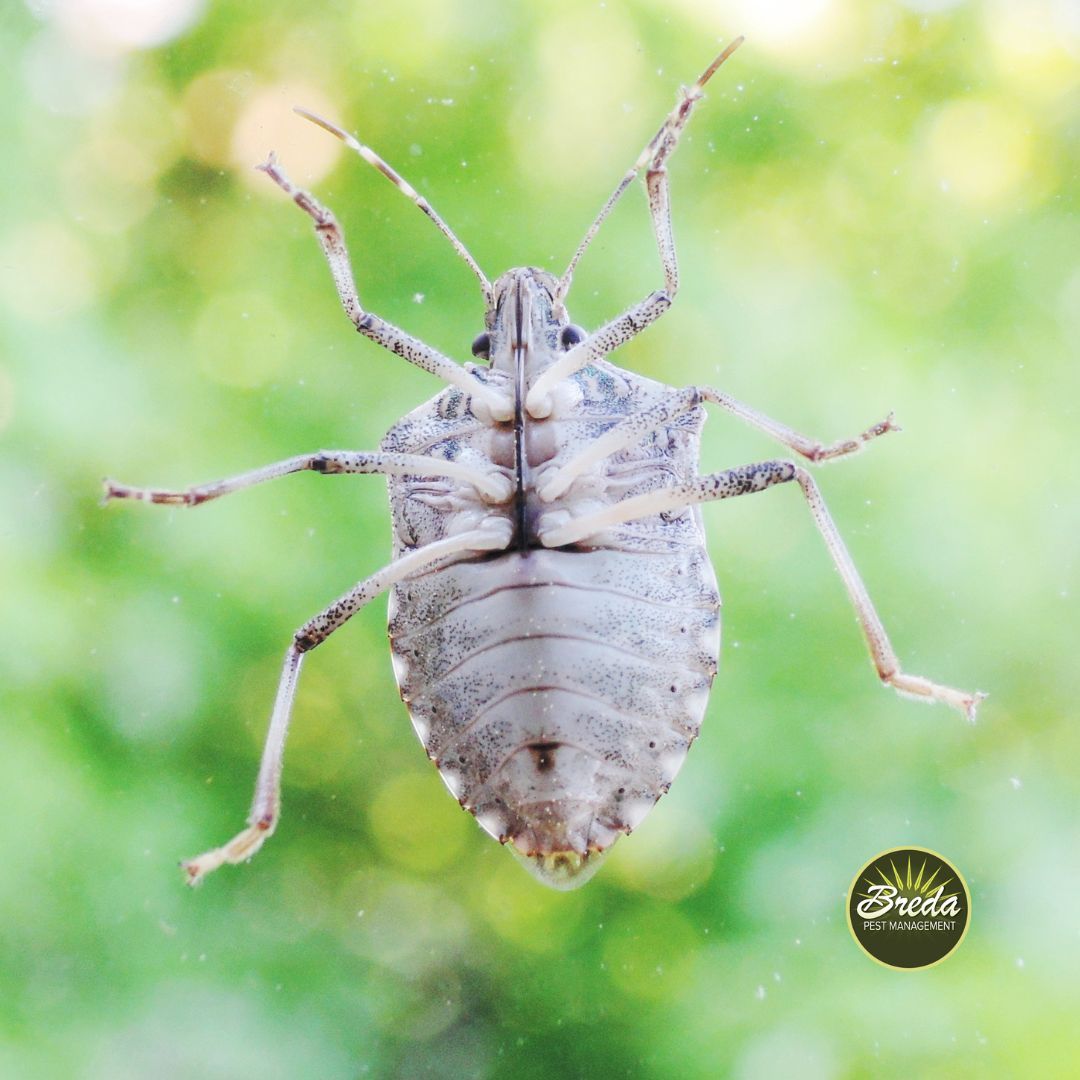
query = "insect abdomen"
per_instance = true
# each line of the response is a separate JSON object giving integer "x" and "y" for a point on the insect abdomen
{"x": 559, "y": 691}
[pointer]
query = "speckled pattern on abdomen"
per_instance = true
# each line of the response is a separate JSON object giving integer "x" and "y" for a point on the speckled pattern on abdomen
{"x": 559, "y": 691}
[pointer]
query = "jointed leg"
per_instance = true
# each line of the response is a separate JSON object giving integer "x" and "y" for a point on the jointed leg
{"x": 744, "y": 481}
{"x": 653, "y": 160}
{"x": 491, "y": 484}
{"x": 558, "y": 528}
{"x": 627, "y": 432}
{"x": 598, "y": 344}
{"x": 634, "y": 428}
{"x": 371, "y": 326}
{"x": 265, "y": 807}
{"x": 656, "y": 152}
{"x": 811, "y": 449}
{"x": 881, "y": 650}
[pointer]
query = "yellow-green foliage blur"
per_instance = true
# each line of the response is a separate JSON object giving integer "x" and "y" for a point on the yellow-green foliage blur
{"x": 875, "y": 209}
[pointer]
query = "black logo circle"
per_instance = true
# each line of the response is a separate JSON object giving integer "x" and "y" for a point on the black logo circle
{"x": 908, "y": 908}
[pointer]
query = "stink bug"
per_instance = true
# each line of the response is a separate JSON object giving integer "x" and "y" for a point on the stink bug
{"x": 554, "y": 618}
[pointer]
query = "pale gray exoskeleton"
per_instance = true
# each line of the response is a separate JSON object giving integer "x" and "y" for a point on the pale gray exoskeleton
{"x": 554, "y": 618}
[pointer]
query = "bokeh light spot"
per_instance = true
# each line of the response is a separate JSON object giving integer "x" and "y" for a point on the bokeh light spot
{"x": 1036, "y": 45}
{"x": 583, "y": 56}
{"x": 63, "y": 79}
{"x": 820, "y": 36}
{"x": 670, "y": 855}
{"x": 526, "y": 913}
{"x": 108, "y": 184}
{"x": 109, "y": 177}
{"x": 376, "y": 30}
{"x": 211, "y": 106}
{"x": 928, "y": 7}
{"x": 322, "y": 739}
{"x": 415, "y": 825}
{"x": 267, "y": 122}
{"x": 782, "y": 24}
{"x": 46, "y": 271}
{"x": 122, "y": 25}
{"x": 979, "y": 151}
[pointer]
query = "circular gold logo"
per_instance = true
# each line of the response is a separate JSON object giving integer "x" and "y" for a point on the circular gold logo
{"x": 908, "y": 908}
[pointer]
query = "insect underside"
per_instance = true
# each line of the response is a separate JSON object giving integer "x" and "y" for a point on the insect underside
{"x": 554, "y": 618}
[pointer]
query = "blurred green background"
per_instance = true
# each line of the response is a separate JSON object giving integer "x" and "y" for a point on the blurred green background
{"x": 875, "y": 209}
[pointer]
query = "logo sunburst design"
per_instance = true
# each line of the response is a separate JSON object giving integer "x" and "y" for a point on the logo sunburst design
{"x": 908, "y": 886}
{"x": 908, "y": 908}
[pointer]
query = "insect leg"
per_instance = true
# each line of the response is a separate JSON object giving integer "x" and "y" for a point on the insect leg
{"x": 371, "y": 326}
{"x": 627, "y": 432}
{"x": 559, "y": 528}
{"x": 491, "y": 484}
{"x": 632, "y": 429}
{"x": 658, "y": 148}
{"x": 813, "y": 450}
{"x": 747, "y": 480}
{"x": 653, "y": 160}
{"x": 881, "y": 650}
{"x": 266, "y": 805}
{"x": 538, "y": 402}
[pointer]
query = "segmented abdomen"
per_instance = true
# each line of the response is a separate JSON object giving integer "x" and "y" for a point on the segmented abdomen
{"x": 558, "y": 691}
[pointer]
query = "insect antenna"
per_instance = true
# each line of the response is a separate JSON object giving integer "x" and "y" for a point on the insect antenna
{"x": 406, "y": 189}
{"x": 654, "y": 143}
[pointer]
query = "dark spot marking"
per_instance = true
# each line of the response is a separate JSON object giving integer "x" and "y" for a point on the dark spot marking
{"x": 543, "y": 755}
{"x": 450, "y": 407}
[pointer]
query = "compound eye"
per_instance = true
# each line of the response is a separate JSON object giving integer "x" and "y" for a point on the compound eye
{"x": 571, "y": 335}
{"x": 481, "y": 345}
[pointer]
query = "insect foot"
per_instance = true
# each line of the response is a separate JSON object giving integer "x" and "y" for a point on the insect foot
{"x": 239, "y": 849}
{"x": 554, "y": 618}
